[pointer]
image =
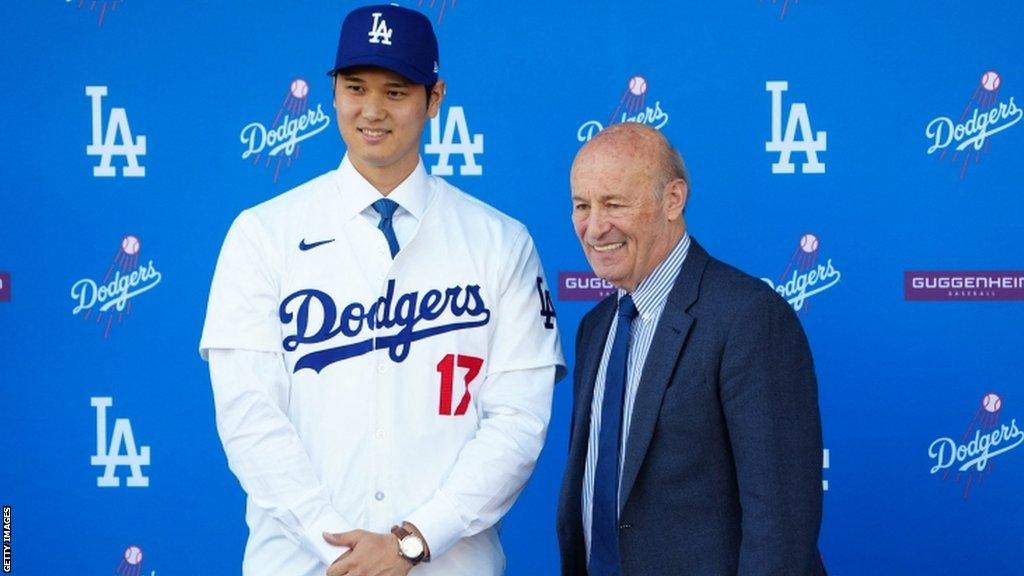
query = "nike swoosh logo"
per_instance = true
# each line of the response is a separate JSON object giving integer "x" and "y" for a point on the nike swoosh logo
{"x": 303, "y": 246}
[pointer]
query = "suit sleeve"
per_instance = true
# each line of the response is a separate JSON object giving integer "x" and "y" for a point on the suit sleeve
{"x": 770, "y": 400}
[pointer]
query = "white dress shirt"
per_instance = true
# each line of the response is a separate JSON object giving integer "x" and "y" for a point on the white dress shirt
{"x": 649, "y": 297}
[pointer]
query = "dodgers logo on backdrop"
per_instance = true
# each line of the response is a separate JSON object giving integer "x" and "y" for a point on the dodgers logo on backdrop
{"x": 442, "y": 7}
{"x": 101, "y": 7}
{"x": 967, "y": 458}
{"x": 984, "y": 116}
{"x": 131, "y": 562}
{"x": 112, "y": 296}
{"x": 809, "y": 276}
{"x": 952, "y": 285}
{"x": 632, "y": 107}
{"x": 394, "y": 321}
{"x": 455, "y": 140}
{"x": 118, "y": 449}
{"x": 295, "y": 121}
{"x": 808, "y": 142}
{"x": 104, "y": 144}
{"x": 784, "y": 6}
{"x": 583, "y": 285}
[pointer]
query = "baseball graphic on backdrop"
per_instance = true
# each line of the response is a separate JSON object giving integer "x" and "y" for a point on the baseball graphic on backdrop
{"x": 990, "y": 80}
{"x": 809, "y": 243}
{"x": 637, "y": 85}
{"x": 130, "y": 244}
{"x": 992, "y": 402}
{"x": 133, "y": 555}
{"x": 299, "y": 88}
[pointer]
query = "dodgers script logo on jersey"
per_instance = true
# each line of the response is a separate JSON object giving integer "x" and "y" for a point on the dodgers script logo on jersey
{"x": 445, "y": 145}
{"x": 119, "y": 450}
{"x": 410, "y": 317}
{"x": 984, "y": 115}
{"x": 112, "y": 296}
{"x": 104, "y": 143}
{"x": 294, "y": 122}
{"x": 810, "y": 143}
{"x": 809, "y": 277}
{"x": 632, "y": 108}
{"x": 967, "y": 459}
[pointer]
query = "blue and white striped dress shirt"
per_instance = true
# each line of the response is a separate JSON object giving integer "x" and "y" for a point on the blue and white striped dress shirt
{"x": 649, "y": 298}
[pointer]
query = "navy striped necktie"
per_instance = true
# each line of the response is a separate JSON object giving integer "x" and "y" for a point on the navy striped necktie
{"x": 604, "y": 530}
{"x": 386, "y": 208}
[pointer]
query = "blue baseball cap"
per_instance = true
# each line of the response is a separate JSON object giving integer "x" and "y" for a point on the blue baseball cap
{"x": 391, "y": 37}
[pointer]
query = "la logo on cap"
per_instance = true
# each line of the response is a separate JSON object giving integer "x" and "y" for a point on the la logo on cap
{"x": 379, "y": 31}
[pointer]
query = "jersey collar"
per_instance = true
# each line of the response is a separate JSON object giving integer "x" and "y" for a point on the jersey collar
{"x": 357, "y": 194}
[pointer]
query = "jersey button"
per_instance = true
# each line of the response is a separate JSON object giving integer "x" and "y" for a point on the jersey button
{"x": 379, "y": 434}
{"x": 379, "y": 496}
{"x": 382, "y": 369}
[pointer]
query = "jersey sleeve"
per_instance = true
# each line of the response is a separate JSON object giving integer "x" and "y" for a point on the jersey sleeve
{"x": 526, "y": 331}
{"x": 242, "y": 310}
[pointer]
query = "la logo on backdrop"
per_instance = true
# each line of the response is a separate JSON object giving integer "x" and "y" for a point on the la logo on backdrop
{"x": 104, "y": 143}
{"x": 808, "y": 142}
{"x": 117, "y": 448}
{"x": 632, "y": 107}
{"x": 805, "y": 276}
{"x": 109, "y": 299}
{"x": 969, "y": 457}
{"x": 100, "y": 7}
{"x": 278, "y": 144}
{"x": 967, "y": 137}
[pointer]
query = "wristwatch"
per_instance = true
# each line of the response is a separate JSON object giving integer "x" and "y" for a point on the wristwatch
{"x": 410, "y": 546}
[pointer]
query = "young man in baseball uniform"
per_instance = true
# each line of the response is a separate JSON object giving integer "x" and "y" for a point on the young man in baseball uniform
{"x": 382, "y": 346}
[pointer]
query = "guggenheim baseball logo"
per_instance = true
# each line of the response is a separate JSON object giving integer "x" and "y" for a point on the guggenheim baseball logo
{"x": 295, "y": 121}
{"x": 985, "y": 115}
{"x": 583, "y": 285}
{"x": 5, "y": 286}
{"x": 632, "y": 107}
{"x": 963, "y": 285}
{"x": 968, "y": 459}
{"x": 111, "y": 297}
{"x": 805, "y": 276}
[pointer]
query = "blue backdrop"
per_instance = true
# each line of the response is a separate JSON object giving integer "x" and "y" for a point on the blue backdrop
{"x": 913, "y": 316}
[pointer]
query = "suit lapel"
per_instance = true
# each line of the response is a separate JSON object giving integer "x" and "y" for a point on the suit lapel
{"x": 673, "y": 327}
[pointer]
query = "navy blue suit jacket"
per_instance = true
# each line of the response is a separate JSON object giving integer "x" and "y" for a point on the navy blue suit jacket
{"x": 722, "y": 472}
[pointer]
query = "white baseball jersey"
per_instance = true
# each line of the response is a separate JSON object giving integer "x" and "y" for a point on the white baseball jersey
{"x": 357, "y": 391}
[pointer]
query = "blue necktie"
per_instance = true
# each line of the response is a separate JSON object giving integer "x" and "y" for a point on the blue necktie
{"x": 604, "y": 529}
{"x": 386, "y": 208}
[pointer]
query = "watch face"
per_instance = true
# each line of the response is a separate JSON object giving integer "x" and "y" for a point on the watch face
{"x": 412, "y": 547}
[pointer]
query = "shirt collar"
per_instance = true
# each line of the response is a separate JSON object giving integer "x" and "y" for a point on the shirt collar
{"x": 652, "y": 292}
{"x": 357, "y": 194}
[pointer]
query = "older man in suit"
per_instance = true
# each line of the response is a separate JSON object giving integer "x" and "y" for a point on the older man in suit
{"x": 695, "y": 444}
